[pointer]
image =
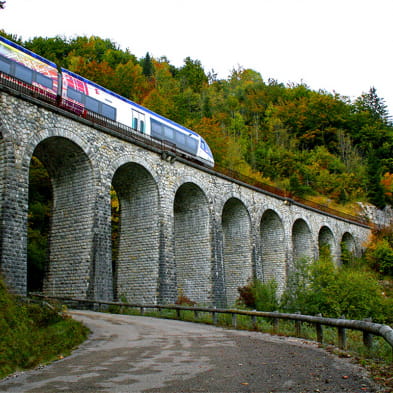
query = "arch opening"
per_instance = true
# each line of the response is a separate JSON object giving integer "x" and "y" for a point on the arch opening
{"x": 38, "y": 225}
{"x": 301, "y": 241}
{"x": 273, "y": 252}
{"x": 192, "y": 241}
{"x": 347, "y": 248}
{"x": 136, "y": 257}
{"x": 65, "y": 179}
{"x": 326, "y": 243}
{"x": 237, "y": 255}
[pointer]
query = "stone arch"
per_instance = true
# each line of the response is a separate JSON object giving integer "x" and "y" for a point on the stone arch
{"x": 136, "y": 270}
{"x": 301, "y": 240}
{"x": 273, "y": 249}
{"x": 326, "y": 240}
{"x": 70, "y": 269}
{"x": 192, "y": 243}
{"x": 236, "y": 227}
{"x": 347, "y": 248}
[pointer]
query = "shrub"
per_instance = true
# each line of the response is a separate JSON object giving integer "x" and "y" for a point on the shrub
{"x": 379, "y": 255}
{"x": 321, "y": 287}
{"x": 259, "y": 296}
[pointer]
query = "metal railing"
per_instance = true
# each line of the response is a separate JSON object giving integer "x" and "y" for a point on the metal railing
{"x": 369, "y": 329}
{"x": 167, "y": 149}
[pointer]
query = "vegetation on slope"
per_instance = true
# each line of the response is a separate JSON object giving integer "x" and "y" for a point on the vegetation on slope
{"x": 32, "y": 334}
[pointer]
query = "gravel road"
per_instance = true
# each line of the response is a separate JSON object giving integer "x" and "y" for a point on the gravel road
{"x": 142, "y": 354}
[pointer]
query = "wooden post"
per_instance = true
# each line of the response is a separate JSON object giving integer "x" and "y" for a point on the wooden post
{"x": 214, "y": 317}
{"x": 142, "y": 310}
{"x": 178, "y": 313}
{"x": 368, "y": 337}
{"x": 254, "y": 322}
{"x": 319, "y": 329}
{"x": 196, "y": 314}
{"x": 342, "y": 336}
{"x": 275, "y": 324}
{"x": 298, "y": 326}
{"x": 234, "y": 320}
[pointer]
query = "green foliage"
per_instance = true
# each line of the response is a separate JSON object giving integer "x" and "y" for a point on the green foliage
{"x": 379, "y": 251}
{"x": 259, "y": 296}
{"x": 40, "y": 205}
{"x": 32, "y": 334}
{"x": 322, "y": 287}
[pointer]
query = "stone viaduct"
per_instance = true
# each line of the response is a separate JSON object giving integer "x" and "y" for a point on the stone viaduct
{"x": 184, "y": 229}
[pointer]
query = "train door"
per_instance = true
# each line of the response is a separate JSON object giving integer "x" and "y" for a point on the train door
{"x": 138, "y": 121}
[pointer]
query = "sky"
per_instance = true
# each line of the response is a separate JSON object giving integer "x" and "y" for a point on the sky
{"x": 342, "y": 46}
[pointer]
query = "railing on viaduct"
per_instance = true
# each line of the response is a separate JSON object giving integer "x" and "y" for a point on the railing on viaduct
{"x": 14, "y": 85}
{"x": 369, "y": 329}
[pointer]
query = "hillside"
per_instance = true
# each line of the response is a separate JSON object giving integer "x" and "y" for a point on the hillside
{"x": 32, "y": 334}
{"x": 314, "y": 144}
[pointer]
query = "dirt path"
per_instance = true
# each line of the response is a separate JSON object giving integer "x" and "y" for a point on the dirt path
{"x": 141, "y": 354}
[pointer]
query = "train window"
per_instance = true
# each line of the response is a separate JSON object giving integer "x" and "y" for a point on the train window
{"x": 44, "y": 80}
{"x": 156, "y": 129}
{"x": 142, "y": 130}
{"x": 109, "y": 111}
{"x": 192, "y": 145}
{"x": 24, "y": 73}
{"x": 180, "y": 139}
{"x": 5, "y": 66}
{"x": 135, "y": 123}
{"x": 74, "y": 94}
{"x": 92, "y": 104}
{"x": 168, "y": 133}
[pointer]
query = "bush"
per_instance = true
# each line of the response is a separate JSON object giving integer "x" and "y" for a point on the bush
{"x": 321, "y": 287}
{"x": 380, "y": 257}
{"x": 379, "y": 251}
{"x": 259, "y": 296}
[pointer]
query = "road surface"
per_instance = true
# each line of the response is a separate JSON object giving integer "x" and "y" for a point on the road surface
{"x": 142, "y": 354}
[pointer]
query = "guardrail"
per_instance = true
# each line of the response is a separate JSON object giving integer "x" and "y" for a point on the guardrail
{"x": 368, "y": 328}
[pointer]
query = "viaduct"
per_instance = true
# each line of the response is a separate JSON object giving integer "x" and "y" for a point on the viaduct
{"x": 185, "y": 229}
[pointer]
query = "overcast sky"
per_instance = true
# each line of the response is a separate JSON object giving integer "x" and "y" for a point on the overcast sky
{"x": 335, "y": 45}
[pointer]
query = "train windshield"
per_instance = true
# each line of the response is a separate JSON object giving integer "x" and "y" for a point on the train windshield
{"x": 205, "y": 147}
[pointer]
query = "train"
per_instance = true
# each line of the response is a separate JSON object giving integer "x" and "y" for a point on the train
{"x": 82, "y": 95}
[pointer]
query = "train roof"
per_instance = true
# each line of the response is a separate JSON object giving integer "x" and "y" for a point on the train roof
{"x": 27, "y": 52}
{"x": 142, "y": 108}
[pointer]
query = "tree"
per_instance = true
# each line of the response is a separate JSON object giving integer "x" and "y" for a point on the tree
{"x": 375, "y": 190}
{"x": 192, "y": 75}
{"x": 147, "y": 66}
{"x": 373, "y": 104}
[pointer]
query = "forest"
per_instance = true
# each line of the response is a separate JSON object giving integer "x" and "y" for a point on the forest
{"x": 314, "y": 144}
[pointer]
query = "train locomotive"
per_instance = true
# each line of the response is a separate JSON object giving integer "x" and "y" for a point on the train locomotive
{"x": 81, "y": 95}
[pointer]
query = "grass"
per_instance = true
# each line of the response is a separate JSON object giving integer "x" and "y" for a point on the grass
{"x": 34, "y": 334}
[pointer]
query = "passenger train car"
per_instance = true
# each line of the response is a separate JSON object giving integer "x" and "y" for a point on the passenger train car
{"x": 81, "y": 95}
